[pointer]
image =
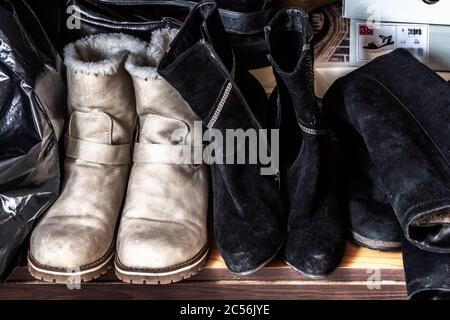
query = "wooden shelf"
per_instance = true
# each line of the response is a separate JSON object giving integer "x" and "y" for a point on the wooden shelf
{"x": 275, "y": 281}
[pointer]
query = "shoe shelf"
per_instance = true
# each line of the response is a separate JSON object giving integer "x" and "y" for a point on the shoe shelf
{"x": 363, "y": 274}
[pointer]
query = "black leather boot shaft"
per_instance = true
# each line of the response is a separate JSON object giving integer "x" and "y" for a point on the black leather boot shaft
{"x": 238, "y": 16}
{"x": 244, "y": 21}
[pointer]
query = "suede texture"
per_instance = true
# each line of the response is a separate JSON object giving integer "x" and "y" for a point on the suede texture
{"x": 249, "y": 224}
{"x": 371, "y": 221}
{"x": 316, "y": 238}
{"x": 396, "y": 110}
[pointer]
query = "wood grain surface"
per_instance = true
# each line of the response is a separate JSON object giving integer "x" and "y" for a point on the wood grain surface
{"x": 276, "y": 281}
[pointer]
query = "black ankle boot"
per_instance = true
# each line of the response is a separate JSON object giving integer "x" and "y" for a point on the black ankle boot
{"x": 316, "y": 237}
{"x": 248, "y": 209}
{"x": 393, "y": 114}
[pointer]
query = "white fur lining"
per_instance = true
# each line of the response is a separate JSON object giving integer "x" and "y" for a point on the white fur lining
{"x": 433, "y": 218}
{"x": 143, "y": 65}
{"x": 102, "y": 53}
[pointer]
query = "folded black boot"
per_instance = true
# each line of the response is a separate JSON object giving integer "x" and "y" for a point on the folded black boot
{"x": 316, "y": 235}
{"x": 371, "y": 221}
{"x": 426, "y": 273}
{"x": 248, "y": 209}
{"x": 394, "y": 113}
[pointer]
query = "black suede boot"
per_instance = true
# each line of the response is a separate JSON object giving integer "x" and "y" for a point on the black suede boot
{"x": 316, "y": 235}
{"x": 393, "y": 113}
{"x": 249, "y": 214}
{"x": 371, "y": 221}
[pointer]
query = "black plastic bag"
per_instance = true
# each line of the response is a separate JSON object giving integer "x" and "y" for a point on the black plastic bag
{"x": 50, "y": 14}
{"x": 32, "y": 106}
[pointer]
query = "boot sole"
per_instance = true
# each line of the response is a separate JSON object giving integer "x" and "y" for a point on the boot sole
{"x": 62, "y": 276}
{"x": 375, "y": 245}
{"x": 164, "y": 275}
{"x": 308, "y": 275}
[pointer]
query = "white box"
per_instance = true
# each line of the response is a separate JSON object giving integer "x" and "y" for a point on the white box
{"x": 408, "y": 11}
{"x": 430, "y": 44}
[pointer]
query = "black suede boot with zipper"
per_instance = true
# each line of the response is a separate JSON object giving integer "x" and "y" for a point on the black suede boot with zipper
{"x": 316, "y": 237}
{"x": 249, "y": 215}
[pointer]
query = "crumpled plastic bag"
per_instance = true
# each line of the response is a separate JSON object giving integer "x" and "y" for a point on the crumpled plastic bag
{"x": 32, "y": 106}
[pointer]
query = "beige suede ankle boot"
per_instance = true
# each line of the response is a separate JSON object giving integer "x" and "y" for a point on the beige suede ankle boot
{"x": 162, "y": 236}
{"x": 74, "y": 241}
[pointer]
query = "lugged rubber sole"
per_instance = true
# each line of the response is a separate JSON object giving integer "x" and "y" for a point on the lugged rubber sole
{"x": 164, "y": 275}
{"x": 62, "y": 276}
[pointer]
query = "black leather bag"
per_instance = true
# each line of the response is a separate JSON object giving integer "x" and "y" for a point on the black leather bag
{"x": 239, "y": 17}
{"x": 244, "y": 21}
{"x": 84, "y": 17}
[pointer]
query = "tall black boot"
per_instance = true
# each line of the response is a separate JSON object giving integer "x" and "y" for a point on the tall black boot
{"x": 371, "y": 221}
{"x": 397, "y": 109}
{"x": 316, "y": 237}
{"x": 244, "y": 21}
{"x": 248, "y": 209}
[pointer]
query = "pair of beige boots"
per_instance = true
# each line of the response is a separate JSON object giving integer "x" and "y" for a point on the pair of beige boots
{"x": 115, "y": 96}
